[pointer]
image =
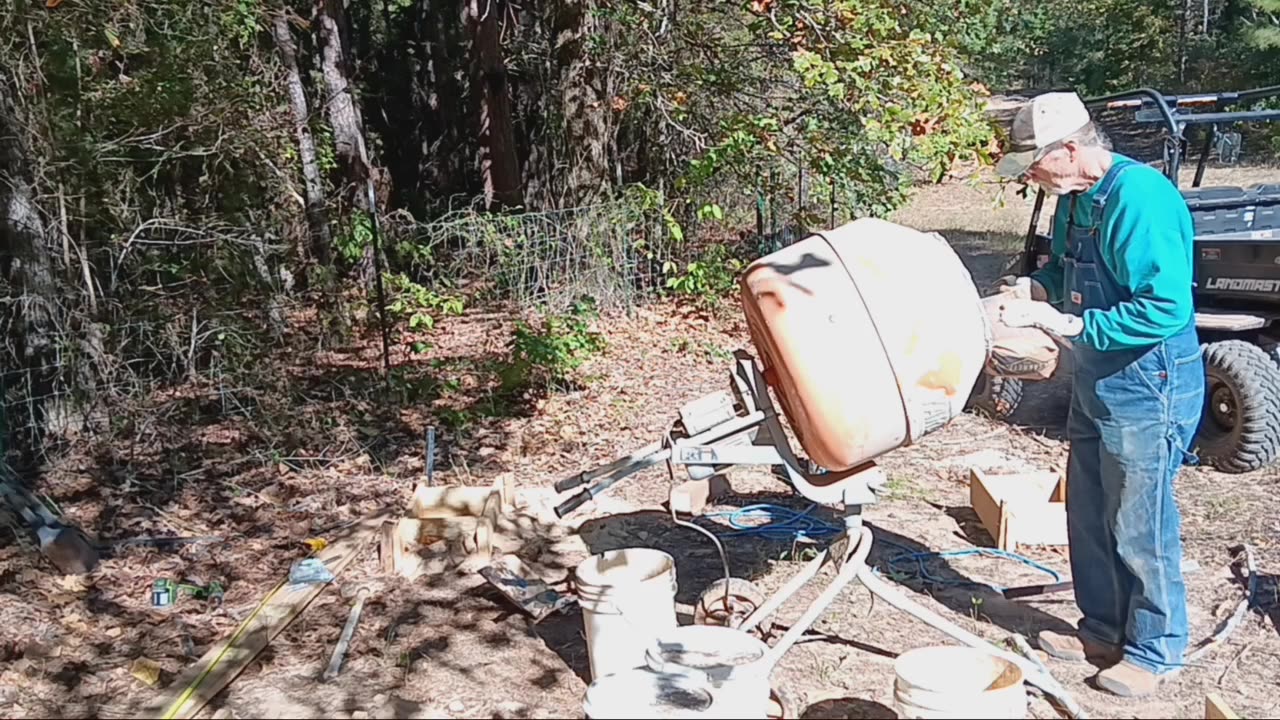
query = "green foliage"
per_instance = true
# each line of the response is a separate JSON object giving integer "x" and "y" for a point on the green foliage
{"x": 1263, "y": 32}
{"x": 546, "y": 356}
{"x": 848, "y": 89}
{"x": 416, "y": 306}
{"x": 357, "y": 237}
{"x": 707, "y": 280}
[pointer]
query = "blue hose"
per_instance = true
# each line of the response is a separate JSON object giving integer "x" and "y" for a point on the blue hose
{"x": 775, "y": 522}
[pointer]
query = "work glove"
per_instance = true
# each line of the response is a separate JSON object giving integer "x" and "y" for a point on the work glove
{"x": 1023, "y": 288}
{"x": 1020, "y": 312}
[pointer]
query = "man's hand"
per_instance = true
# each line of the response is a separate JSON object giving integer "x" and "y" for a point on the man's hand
{"x": 1022, "y": 288}
{"x": 1019, "y": 312}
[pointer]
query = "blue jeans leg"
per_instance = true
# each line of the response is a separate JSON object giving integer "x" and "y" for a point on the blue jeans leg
{"x": 1100, "y": 581}
{"x": 1141, "y": 407}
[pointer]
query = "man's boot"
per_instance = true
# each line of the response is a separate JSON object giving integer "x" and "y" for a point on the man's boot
{"x": 1072, "y": 648}
{"x": 1128, "y": 680}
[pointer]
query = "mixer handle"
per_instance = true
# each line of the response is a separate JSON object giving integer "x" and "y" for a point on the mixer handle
{"x": 572, "y": 503}
{"x": 572, "y": 482}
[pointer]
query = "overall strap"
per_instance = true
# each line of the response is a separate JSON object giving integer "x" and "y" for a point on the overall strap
{"x": 1098, "y": 204}
{"x": 1106, "y": 186}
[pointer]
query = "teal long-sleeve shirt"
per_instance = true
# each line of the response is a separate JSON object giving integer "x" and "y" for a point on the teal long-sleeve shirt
{"x": 1146, "y": 240}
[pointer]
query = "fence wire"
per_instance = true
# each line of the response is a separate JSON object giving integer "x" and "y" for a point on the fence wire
{"x": 201, "y": 348}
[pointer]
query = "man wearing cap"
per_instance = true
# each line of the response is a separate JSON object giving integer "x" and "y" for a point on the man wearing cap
{"x": 1118, "y": 291}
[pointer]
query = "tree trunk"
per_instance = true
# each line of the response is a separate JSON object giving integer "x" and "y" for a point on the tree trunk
{"x": 340, "y": 105}
{"x": 438, "y": 95}
{"x": 498, "y": 162}
{"x": 583, "y": 101}
{"x": 317, "y": 217}
{"x": 24, "y": 256}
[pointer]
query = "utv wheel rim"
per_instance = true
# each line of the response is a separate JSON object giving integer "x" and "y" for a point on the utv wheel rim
{"x": 1223, "y": 407}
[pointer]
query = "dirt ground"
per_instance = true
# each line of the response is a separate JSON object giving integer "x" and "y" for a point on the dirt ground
{"x": 446, "y": 646}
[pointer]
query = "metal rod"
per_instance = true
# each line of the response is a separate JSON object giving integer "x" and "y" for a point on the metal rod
{"x": 340, "y": 650}
{"x": 431, "y": 453}
{"x": 1209, "y": 134}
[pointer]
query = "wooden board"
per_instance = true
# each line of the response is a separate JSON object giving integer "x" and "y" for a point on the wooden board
{"x": 223, "y": 662}
{"x": 1026, "y": 508}
{"x": 1229, "y": 322}
{"x": 1216, "y": 709}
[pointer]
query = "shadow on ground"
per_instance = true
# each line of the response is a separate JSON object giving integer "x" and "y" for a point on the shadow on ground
{"x": 698, "y": 563}
{"x": 847, "y": 708}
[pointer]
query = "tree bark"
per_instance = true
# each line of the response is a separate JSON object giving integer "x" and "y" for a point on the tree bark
{"x": 317, "y": 216}
{"x": 340, "y": 105}
{"x": 24, "y": 256}
{"x": 583, "y": 101}
{"x": 498, "y": 162}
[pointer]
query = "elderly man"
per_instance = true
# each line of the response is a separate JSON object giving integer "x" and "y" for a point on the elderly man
{"x": 1118, "y": 291}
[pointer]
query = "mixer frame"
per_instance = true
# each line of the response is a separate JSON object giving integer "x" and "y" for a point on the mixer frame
{"x": 742, "y": 427}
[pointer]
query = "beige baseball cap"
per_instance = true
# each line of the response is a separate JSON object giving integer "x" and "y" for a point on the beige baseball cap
{"x": 1045, "y": 120}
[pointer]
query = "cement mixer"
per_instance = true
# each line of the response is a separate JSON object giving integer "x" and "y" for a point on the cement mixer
{"x": 871, "y": 335}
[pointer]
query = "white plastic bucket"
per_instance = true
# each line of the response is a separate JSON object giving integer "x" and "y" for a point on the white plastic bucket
{"x": 643, "y": 693}
{"x": 957, "y": 682}
{"x": 628, "y": 598}
{"x": 731, "y": 662}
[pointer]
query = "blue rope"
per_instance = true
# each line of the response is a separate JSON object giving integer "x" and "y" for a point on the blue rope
{"x": 775, "y": 522}
{"x": 781, "y": 523}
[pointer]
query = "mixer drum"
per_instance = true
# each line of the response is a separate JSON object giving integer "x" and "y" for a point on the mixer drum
{"x": 871, "y": 336}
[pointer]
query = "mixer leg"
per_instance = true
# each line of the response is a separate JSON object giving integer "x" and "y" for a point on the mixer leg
{"x": 848, "y": 572}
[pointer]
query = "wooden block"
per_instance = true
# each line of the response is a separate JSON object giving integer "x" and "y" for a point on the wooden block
{"x": 409, "y": 545}
{"x": 691, "y": 497}
{"x": 1026, "y": 508}
{"x": 1216, "y": 709}
{"x": 448, "y": 501}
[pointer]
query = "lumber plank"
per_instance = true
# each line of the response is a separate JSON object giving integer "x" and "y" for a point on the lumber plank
{"x": 1216, "y": 709}
{"x": 199, "y": 683}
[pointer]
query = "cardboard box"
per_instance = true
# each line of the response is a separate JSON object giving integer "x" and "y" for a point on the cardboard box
{"x": 1021, "y": 508}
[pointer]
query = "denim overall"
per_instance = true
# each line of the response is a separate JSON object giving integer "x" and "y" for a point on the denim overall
{"x": 1134, "y": 413}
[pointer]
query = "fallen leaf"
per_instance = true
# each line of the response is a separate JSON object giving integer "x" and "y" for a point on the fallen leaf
{"x": 41, "y": 651}
{"x": 114, "y": 632}
{"x": 316, "y": 544}
{"x": 145, "y": 670}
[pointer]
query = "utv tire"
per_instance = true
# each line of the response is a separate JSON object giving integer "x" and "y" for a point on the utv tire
{"x": 996, "y": 397}
{"x": 1240, "y": 428}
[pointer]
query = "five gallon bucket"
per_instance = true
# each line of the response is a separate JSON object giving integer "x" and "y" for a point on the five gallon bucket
{"x": 732, "y": 663}
{"x": 643, "y": 693}
{"x": 957, "y": 682}
{"x": 628, "y": 599}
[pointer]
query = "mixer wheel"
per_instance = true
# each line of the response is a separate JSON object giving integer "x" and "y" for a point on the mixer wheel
{"x": 744, "y": 598}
